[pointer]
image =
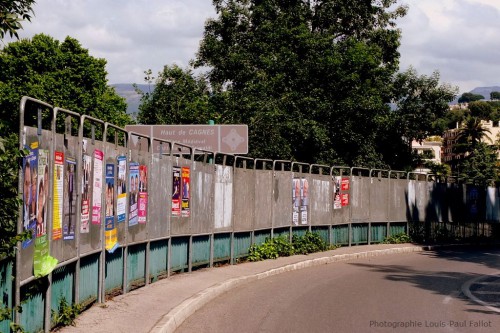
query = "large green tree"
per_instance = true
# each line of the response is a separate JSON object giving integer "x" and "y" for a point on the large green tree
{"x": 310, "y": 78}
{"x": 470, "y": 97}
{"x": 480, "y": 166}
{"x": 481, "y": 109}
{"x": 421, "y": 103}
{"x": 178, "y": 98}
{"x": 495, "y": 95}
{"x": 12, "y": 13}
{"x": 60, "y": 73}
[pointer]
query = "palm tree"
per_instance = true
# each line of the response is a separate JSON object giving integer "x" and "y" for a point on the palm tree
{"x": 471, "y": 134}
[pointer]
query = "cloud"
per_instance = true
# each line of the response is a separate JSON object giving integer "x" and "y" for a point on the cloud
{"x": 455, "y": 37}
{"x": 132, "y": 35}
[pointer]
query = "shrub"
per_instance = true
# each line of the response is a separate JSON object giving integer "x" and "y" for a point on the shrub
{"x": 397, "y": 239}
{"x": 280, "y": 246}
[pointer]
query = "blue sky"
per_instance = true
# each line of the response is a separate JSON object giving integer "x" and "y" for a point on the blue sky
{"x": 459, "y": 38}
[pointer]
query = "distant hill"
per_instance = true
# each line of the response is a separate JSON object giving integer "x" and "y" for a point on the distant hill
{"x": 483, "y": 91}
{"x": 127, "y": 91}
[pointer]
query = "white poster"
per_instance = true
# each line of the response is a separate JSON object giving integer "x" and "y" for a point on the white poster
{"x": 97, "y": 189}
{"x": 121, "y": 189}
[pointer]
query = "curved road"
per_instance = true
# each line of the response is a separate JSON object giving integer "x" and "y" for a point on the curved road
{"x": 445, "y": 291}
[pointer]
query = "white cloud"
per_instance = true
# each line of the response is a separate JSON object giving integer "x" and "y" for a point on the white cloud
{"x": 132, "y": 35}
{"x": 456, "y": 37}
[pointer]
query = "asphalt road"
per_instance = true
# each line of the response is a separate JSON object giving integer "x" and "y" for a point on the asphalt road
{"x": 445, "y": 291}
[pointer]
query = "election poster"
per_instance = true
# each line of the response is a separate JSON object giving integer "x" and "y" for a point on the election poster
{"x": 30, "y": 182}
{"x": 85, "y": 192}
{"x": 43, "y": 192}
{"x": 110, "y": 230}
{"x": 337, "y": 202}
{"x": 295, "y": 200}
{"x": 133, "y": 193}
{"x": 69, "y": 215}
{"x": 341, "y": 188}
{"x": 43, "y": 263}
{"x": 58, "y": 195}
{"x": 143, "y": 194}
{"x": 185, "y": 191}
{"x": 344, "y": 187}
{"x": 97, "y": 188}
{"x": 304, "y": 200}
{"x": 176, "y": 191}
{"x": 121, "y": 189}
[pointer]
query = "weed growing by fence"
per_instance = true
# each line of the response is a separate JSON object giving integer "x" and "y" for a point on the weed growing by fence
{"x": 397, "y": 239}
{"x": 66, "y": 313}
{"x": 281, "y": 246}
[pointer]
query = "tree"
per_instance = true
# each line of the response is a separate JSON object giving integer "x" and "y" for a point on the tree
{"x": 442, "y": 170}
{"x": 471, "y": 134}
{"x": 61, "y": 74}
{"x": 481, "y": 109}
{"x": 12, "y": 12}
{"x": 495, "y": 95}
{"x": 421, "y": 102}
{"x": 309, "y": 78}
{"x": 480, "y": 166}
{"x": 470, "y": 97}
{"x": 178, "y": 98}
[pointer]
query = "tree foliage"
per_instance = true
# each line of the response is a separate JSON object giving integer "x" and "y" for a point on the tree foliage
{"x": 9, "y": 201}
{"x": 12, "y": 13}
{"x": 495, "y": 95}
{"x": 480, "y": 166}
{"x": 470, "y": 97}
{"x": 61, "y": 74}
{"x": 481, "y": 109}
{"x": 471, "y": 134}
{"x": 310, "y": 78}
{"x": 178, "y": 98}
{"x": 421, "y": 103}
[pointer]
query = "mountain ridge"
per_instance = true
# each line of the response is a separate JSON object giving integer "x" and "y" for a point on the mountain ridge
{"x": 133, "y": 98}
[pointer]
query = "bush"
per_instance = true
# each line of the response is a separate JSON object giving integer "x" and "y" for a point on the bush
{"x": 272, "y": 248}
{"x": 280, "y": 246}
{"x": 309, "y": 243}
{"x": 397, "y": 239}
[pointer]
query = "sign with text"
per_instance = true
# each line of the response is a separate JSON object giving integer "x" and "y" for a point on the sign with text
{"x": 229, "y": 139}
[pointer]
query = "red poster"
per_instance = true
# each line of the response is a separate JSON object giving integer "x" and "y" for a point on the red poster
{"x": 345, "y": 199}
{"x": 345, "y": 184}
{"x": 186, "y": 178}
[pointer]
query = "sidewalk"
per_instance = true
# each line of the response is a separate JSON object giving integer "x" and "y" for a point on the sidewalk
{"x": 163, "y": 306}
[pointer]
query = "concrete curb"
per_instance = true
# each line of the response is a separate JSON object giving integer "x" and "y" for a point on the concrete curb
{"x": 172, "y": 320}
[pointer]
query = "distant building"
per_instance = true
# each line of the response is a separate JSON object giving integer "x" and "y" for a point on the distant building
{"x": 450, "y": 156}
{"x": 459, "y": 106}
{"x": 430, "y": 151}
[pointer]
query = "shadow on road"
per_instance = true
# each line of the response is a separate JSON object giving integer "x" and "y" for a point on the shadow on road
{"x": 445, "y": 282}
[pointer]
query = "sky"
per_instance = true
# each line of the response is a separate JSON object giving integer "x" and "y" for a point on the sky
{"x": 458, "y": 38}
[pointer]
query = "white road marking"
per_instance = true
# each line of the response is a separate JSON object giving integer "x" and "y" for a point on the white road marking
{"x": 466, "y": 290}
{"x": 450, "y": 297}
